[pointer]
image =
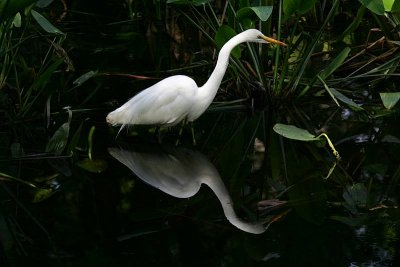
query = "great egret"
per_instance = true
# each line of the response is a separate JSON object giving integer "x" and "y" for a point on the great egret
{"x": 178, "y": 97}
{"x": 180, "y": 172}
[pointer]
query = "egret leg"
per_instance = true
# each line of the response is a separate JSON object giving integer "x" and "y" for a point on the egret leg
{"x": 192, "y": 130}
{"x": 158, "y": 134}
{"x": 180, "y": 132}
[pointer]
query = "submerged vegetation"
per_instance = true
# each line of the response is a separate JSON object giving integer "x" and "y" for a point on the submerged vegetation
{"x": 65, "y": 64}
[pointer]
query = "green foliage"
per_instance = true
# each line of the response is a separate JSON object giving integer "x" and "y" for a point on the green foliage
{"x": 339, "y": 74}
{"x": 44, "y": 23}
{"x": 293, "y": 132}
{"x": 389, "y": 100}
{"x": 255, "y": 12}
{"x": 223, "y": 35}
{"x": 291, "y": 7}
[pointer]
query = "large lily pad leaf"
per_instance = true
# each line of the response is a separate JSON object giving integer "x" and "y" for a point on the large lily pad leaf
{"x": 293, "y": 132}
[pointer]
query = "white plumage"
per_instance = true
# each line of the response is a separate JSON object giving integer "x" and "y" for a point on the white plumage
{"x": 178, "y": 97}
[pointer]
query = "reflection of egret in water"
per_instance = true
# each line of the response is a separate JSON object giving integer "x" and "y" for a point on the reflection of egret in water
{"x": 180, "y": 173}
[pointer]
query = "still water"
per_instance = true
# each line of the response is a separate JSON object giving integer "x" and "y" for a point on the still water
{"x": 243, "y": 196}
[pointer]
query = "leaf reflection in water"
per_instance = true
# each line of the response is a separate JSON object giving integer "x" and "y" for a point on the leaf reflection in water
{"x": 180, "y": 172}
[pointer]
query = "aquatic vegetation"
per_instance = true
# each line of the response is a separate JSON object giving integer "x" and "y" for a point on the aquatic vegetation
{"x": 65, "y": 200}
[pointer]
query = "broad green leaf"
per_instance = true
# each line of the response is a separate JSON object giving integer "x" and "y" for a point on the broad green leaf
{"x": 387, "y": 4}
{"x": 391, "y": 5}
{"x": 83, "y": 78}
{"x": 43, "y": 3}
{"x": 261, "y": 12}
{"x": 95, "y": 166}
{"x": 59, "y": 140}
{"x": 291, "y": 7}
{"x": 336, "y": 63}
{"x": 293, "y": 132}
{"x": 355, "y": 196}
{"x": 17, "y": 20}
{"x": 345, "y": 100}
{"x": 389, "y": 100}
{"x": 44, "y": 23}
{"x": 376, "y": 6}
{"x": 395, "y": 6}
{"x": 223, "y": 35}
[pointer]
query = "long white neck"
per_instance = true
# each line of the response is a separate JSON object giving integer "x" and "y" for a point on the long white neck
{"x": 219, "y": 189}
{"x": 210, "y": 88}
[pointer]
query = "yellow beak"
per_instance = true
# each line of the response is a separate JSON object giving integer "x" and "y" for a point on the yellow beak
{"x": 271, "y": 40}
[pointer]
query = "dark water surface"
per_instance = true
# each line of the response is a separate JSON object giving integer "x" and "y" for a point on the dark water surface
{"x": 228, "y": 201}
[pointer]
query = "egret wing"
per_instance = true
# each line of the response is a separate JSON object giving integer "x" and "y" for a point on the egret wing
{"x": 166, "y": 103}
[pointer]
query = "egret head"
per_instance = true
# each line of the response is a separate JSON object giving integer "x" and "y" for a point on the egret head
{"x": 254, "y": 35}
{"x": 110, "y": 119}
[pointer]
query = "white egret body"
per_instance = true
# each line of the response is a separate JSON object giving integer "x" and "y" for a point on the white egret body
{"x": 178, "y": 97}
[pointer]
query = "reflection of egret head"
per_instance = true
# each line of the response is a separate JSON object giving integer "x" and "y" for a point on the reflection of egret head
{"x": 180, "y": 173}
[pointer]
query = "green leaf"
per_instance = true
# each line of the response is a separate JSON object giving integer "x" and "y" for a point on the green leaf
{"x": 42, "y": 194}
{"x": 375, "y": 6}
{"x": 223, "y": 35}
{"x": 395, "y": 6}
{"x": 391, "y": 5}
{"x": 44, "y": 23}
{"x": 387, "y": 4}
{"x": 291, "y": 7}
{"x": 293, "y": 132}
{"x": 389, "y": 100}
{"x": 43, "y": 3}
{"x": 95, "y": 166}
{"x": 59, "y": 140}
{"x": 336, "y": 63}
{"x": 17, "y": 20}
{"x": 83, "y": 78}
{"x": 355, "y": 196}
{"x": 261, "y": 12}
{"x": 90, "y": 141}
{"x": 345, "y": 100}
